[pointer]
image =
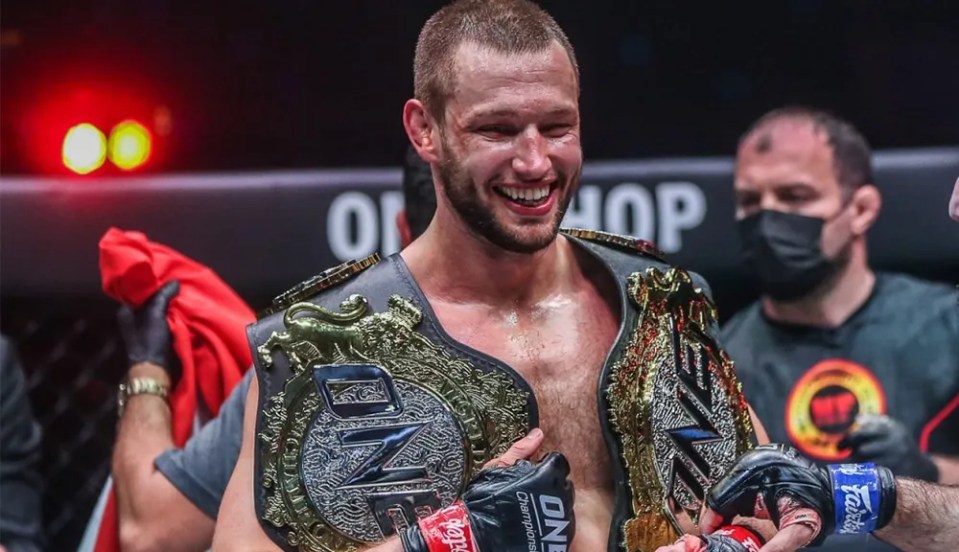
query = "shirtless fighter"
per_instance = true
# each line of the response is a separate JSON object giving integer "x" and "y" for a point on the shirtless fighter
{"x": 392, "y": 397}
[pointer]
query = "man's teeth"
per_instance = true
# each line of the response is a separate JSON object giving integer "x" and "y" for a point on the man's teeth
{"x": 527, "y": 194}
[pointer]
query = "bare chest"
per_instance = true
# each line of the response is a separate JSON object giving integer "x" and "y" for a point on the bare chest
{"x": 560, "y": 351}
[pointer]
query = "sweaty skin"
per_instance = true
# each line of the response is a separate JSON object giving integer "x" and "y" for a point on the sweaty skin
{"x": 514, "y": 122}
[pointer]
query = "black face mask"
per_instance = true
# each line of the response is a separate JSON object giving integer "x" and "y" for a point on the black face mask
{"x": 784, "y": 251}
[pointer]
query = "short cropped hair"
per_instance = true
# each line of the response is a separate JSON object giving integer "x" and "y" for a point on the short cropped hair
{"x": 418, "y": 195}
{"x": 852, "y": 156}
{"x": 505, "y": 26}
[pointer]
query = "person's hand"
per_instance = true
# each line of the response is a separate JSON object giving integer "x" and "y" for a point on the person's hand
{"x": 774, "y": 482}
{"x": 887, "y": 442}
{"x": 523, "y": 449}
{"x": 512, "y": 506}
{"x": 806, "y": 502}
{"x": 715, "y": 543}
{"x": 145, "y": 332}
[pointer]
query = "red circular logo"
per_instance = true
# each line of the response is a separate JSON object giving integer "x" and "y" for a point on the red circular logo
{"x": 824, "y": 403}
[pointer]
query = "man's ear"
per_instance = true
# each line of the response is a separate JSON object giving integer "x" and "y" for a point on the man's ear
{"x": 403, "y": 227}
{"x": 866, "y": 202}
{"x": 421, "y": 130}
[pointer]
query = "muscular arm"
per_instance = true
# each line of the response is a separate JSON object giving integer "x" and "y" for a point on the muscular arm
{"x": 149, "y": 505}
{"x": 237, "y": 528}
{"x": 926, "y": 518}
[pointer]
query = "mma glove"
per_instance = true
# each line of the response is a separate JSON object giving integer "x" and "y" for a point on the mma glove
{"x": 145, "y": 332}
{"x": 887, "y": 442}
{"x": 848, "y": 498}
{"x": 518, "y": 508}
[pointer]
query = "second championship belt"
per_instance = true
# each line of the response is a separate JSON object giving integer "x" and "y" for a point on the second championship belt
{"x": 675, "y": 406}
{"x": 673, "y": 412}
{"x": 370, "y": 417}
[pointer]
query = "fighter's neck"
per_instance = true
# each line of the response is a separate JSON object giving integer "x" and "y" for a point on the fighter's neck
{"x": 475, "y": 271}
{"x": 832, "y": 306}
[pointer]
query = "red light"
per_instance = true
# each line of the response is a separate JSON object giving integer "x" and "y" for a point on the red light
{"x": 121, "y": 110}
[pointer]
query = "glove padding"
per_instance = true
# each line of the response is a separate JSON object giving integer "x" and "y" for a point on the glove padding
{"x": 775, "y": 481}
{"x": 513, "y": 509}
{"x": 887, "y": 442}
{"x": 768, "y": 473}
{"x": 145, "y": 332}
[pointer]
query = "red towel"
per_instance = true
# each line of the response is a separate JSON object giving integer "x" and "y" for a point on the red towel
{"x": 208, "y": 321}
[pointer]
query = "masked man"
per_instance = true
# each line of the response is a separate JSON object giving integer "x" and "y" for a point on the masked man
{"x": 844, "y": 363}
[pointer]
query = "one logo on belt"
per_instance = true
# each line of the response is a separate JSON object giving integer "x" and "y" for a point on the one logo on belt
{"x": 824, "y": 403}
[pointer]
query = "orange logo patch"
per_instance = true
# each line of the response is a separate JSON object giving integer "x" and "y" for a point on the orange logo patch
{"x": 824, "y": 403}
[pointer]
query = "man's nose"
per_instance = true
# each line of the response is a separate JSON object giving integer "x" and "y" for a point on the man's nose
{"x": 531, "y": 160}
{"x": 769, "y": 202}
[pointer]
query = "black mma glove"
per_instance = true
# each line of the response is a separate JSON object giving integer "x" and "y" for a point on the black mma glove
{"x": 885, "y": 441}
{"x": 775, "y": 481}
{"x": 519, "y": 508}
{"x": 145, "y": 332}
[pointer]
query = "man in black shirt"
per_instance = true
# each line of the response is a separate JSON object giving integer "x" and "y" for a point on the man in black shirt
{"x": 846, "y": 364}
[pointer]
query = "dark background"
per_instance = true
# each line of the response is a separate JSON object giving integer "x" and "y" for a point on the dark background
{"x": 314, "y": 84}
{"x": 308, "y": 83}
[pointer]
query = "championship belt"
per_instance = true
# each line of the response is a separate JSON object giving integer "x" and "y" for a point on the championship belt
{"x": 370, "y": 416}
{"x": 675, "y": 416}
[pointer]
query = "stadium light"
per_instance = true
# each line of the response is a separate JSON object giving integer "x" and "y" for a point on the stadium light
{"x": 130, "y": 144}
{"x": 84, "y": 148}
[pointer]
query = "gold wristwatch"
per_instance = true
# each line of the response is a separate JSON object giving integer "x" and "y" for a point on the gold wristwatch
{"x": 140, "y": 386}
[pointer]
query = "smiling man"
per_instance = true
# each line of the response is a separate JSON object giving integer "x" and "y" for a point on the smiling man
{"x": 402, "y": 403}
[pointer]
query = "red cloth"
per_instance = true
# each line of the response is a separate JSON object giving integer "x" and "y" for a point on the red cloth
{"x": 208, "y": 321}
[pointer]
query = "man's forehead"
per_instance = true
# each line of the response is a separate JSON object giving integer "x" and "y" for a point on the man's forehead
{"x": 488, "y": 82}
{"x": 784, "y": 146}
{"x": 790, "y": 137}
{"x": 475, "y": 61}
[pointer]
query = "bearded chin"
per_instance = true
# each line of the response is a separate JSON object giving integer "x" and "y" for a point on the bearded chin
{"x": 480, "y": 219}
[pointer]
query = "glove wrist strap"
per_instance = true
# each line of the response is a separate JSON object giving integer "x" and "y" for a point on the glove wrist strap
{"x": 858, "y": 493}
{"x": 887, "y": 496}
{"x": 448, "y": 530}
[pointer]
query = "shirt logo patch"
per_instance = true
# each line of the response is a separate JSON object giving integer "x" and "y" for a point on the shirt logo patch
{"x": 824, "y": 403}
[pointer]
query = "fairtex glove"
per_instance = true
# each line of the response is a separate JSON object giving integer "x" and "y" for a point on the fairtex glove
{"x": 775, "y": 481}
{"x": 518, "y": 508}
